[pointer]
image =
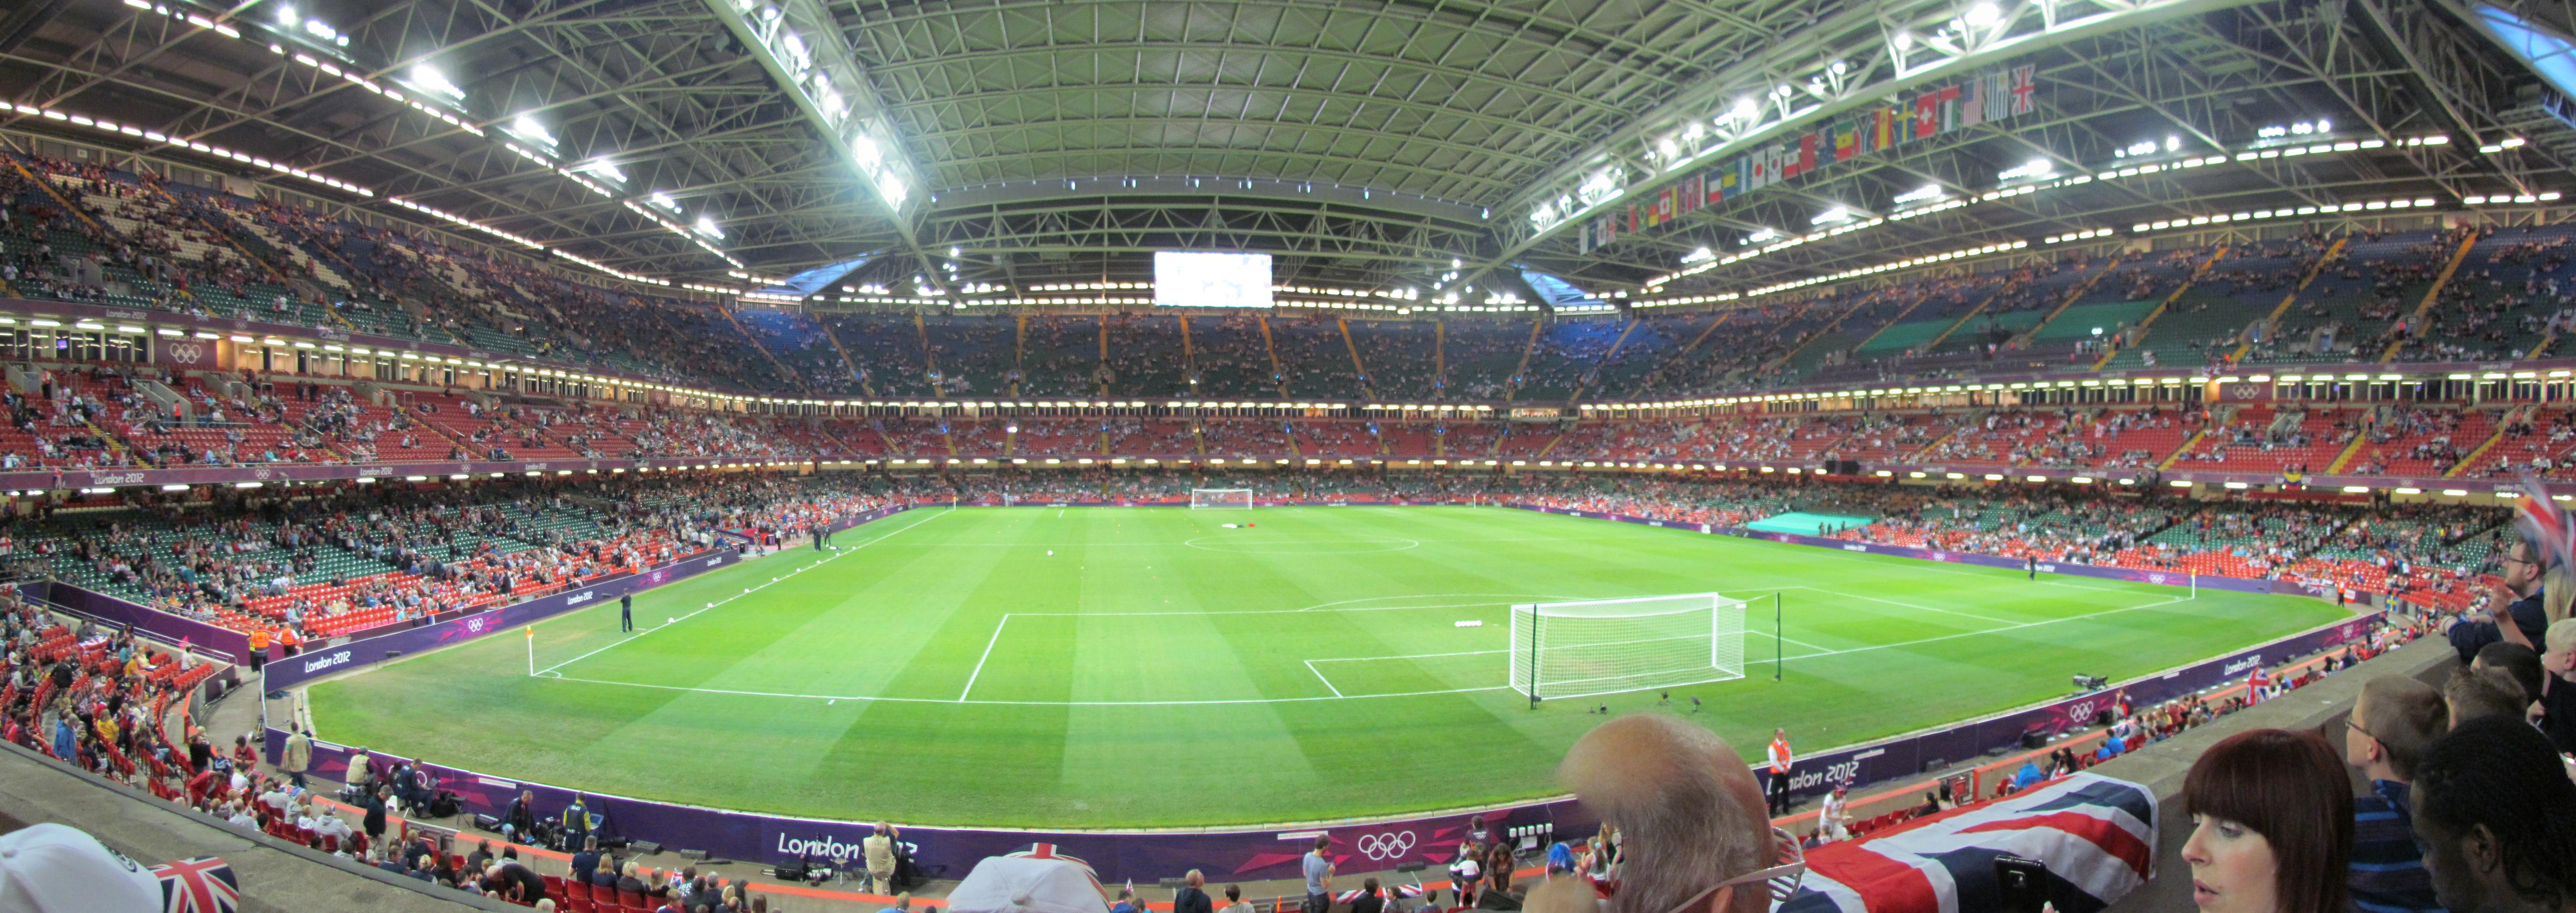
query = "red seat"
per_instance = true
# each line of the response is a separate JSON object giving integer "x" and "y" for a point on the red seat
{"x": 630, "y": 898}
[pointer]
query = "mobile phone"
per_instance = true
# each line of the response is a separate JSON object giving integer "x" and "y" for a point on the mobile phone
{"x": 2021, "y": 885}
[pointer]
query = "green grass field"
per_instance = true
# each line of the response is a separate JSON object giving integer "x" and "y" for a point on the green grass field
{"x": 1160, "y": 670}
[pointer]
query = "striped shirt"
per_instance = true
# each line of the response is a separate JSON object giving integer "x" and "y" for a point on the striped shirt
{"x": 2387, "y": 867}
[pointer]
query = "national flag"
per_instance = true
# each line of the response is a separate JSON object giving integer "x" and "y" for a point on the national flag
{"x": 1846, "y": 141}
{"x": 204, "y": 884}
{"x": 1691, "y": 194}
{"x": 1972, "y": 102}
{"x": 1664, "y": 205}
{"x": 1927, "y": 116}
{"x": 1401, "y": 890}
{"x": 1730, "y": 182}
{"x": 1632, "y": 220}
{"x": 2023, "y": 89}
{"x": 1051, "y": 851}
{"x": 1806, "y": 153}
{"x": 2097, "y": 834}
{"x": 1605, "y": 230}
{"x": 1946, "y": 102}
{"x": 2545, "y": 524}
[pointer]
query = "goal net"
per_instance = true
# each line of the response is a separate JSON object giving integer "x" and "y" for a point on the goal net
{"x": 1575, "y": 649}
{"x": 1219, "y": 498}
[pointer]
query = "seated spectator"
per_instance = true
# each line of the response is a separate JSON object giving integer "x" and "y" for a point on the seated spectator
{"x": 2558, "y": 697}
{"x": 2272, "y": 815}
{"x": 1696, "y": 836}
{"x": 2520, "y": 662}
{"x": 2393, "y": 721}
{"x": 2497, "y": 817}
{"x": 2475, "y": 693}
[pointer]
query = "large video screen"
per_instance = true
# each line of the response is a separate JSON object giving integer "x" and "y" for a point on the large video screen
{"x": 1209, "y": 280}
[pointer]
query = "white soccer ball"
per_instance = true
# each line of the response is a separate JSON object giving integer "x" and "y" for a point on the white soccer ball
{"x": 670, "y": 621}
{"x": 711, "y": 605}
{"x": 1050, "y": 553}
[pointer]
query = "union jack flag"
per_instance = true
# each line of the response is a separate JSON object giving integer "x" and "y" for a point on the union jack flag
{"x": 1401, "y": 890}
{"x": 1051, "y": 851}
{"x": 201, "y": 885}
{"x": 2544, "y": 524}
{"x": 2097, "y": 835}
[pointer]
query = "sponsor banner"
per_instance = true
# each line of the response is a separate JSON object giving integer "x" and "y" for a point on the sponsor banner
{"x": 770, "y": 839}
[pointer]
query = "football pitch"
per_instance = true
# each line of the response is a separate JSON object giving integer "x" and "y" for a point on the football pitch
{"x": 1148, "y": 667}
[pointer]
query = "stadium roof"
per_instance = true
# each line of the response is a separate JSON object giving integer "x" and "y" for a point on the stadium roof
{"x": 1370, "y": 146}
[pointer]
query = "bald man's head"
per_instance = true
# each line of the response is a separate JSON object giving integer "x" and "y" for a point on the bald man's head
{"x": 1689, "y": 806}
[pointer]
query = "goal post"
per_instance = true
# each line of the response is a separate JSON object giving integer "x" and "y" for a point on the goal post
{"x": 1602, "y": 646}
{"x": 1220, "y": 498}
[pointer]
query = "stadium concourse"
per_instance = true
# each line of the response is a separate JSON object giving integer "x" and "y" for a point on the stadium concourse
{"x": 1233, "y": 439}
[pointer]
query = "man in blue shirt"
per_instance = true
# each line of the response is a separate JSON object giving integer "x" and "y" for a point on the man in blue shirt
{"x": 2393, "y": 722}
{"x": 1319, "y": 877}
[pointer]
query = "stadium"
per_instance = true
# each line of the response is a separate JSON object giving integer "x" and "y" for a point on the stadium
{"x": 749, "y": 455}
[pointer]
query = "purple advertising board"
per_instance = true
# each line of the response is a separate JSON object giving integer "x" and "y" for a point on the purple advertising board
{"x": 232, "y": 644}
{"x": 1265, "y": 852}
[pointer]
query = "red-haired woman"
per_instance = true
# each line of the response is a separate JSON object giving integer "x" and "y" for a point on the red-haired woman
{"x": 2272, "y": 825}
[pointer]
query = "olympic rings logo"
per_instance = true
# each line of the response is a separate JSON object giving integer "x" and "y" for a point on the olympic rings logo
{"x": 1386, "y": 846}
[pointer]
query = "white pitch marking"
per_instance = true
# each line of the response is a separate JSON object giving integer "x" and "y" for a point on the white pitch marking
{"x": 747, "y": 592}
{"x": 1319, "y": 675}
{"x": 988, "y": 654}
{"x": 1926, "y": 608}
{"x": 1328, "y": 684}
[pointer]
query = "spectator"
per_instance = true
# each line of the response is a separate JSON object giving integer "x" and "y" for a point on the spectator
{"x": 1369, "y": 900}
{"x": 2392, "y": 722}
{"x": 2521, "y": 581}
{"x": 2497, "y": 817}
{"x": 2273, "y": 825}
{"x": 1696, "y": 839}
{"x": 1126, "y": 902}
{"x": 586, "y": 862}
{"x": 2474, "y": 693}
{"x": 628, "y": 881}
{"x": 2518, "y": 662}
{"x": 2558, "y": 696}
{"x": 1193, "y": 898}
{"x": 1234, "y": 902}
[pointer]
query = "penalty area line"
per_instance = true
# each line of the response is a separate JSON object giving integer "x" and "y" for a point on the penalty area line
{"x": 988, "y": 654}
{"x": 1319, "y": 676}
